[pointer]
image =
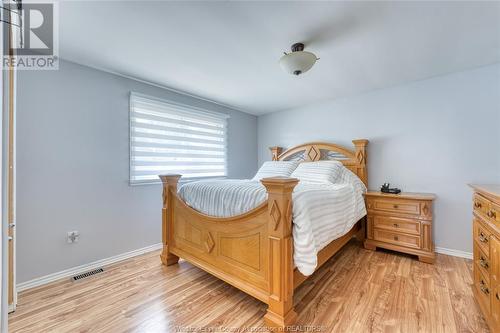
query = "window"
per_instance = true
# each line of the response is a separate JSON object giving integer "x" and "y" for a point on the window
{"x": 172, "y": 138}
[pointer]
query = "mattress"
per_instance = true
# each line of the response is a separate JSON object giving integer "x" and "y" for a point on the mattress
{"x": 321, "y": 212}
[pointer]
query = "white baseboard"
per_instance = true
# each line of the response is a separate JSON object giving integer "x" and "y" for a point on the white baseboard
{"x": 455, "y": 253}
{"x": 84, "y": 268}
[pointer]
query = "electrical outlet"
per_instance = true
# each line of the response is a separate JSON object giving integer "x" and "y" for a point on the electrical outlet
{"x": 73, "y": 236}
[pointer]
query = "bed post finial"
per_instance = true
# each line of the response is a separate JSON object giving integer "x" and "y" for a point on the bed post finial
{"x": 275, "y": 151}
{"x": 169, "y": 191}
{"x": 280, "y": 312}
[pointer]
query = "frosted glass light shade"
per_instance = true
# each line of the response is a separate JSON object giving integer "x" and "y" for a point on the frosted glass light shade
{"x": 297, "y": 62}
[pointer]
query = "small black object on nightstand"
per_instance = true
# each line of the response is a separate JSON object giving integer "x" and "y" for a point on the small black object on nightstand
{"x": 386, "y": 189}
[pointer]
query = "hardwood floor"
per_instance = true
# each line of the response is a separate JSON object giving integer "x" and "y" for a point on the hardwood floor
{"x": 356, "y": 291}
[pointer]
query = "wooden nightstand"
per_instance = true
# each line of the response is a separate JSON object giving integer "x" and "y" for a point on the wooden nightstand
{"x": 400, "y": 222}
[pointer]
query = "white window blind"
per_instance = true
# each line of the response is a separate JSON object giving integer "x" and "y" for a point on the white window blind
{"x": 169, "y": 138}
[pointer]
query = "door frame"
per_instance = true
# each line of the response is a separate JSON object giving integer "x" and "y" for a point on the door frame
{"x": 8, "y": 165}
{"x": 9, "y": 168}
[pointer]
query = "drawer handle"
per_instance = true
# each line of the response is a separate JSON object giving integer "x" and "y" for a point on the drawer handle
{"x": 497, "y": 296}
{"x": 483, "y": 288}
{"x": 477, "y": 204}
{"x": 396, "y": 238}
{"x": 483, "y": 238}
{"x": 396, "y": 225}
{"x": 395, "y": 206}
{"x": 483, "y": 263}
{"x": 492, "y": 214}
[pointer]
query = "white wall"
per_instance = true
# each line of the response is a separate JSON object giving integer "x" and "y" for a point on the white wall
{"x": 73, "y": 168}
{"x": 435, "y": 135}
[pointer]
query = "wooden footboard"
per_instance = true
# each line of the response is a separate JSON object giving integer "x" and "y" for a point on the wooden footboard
{"x": 253, "y": 251}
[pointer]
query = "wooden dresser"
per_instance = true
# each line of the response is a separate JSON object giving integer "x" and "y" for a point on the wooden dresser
{"x": 486, "y": 233}
{"x": 401, "y": 222}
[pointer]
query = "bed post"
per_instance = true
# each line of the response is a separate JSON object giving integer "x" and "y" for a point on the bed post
{"x": 280, "y": 312}
{"x": 360, "y": 153}
{"x": 169, "y": 190}
{"x": 275, "y": 151}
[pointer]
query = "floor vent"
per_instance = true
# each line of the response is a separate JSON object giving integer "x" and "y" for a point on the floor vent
{"x": 87, "y": 274}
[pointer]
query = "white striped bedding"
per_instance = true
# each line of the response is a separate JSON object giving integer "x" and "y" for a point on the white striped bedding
{"x": 321, "y": 212}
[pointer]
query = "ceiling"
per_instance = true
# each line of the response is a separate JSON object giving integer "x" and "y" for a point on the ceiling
{"x": 228, "y": 51}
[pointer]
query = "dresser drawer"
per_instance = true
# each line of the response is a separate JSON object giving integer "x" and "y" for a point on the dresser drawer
{"x": 481, "y": 204}
{"x": 482, "y": 262}
{"x": 482, "y": 237}
{"x": 495, "y": 306}
{"x": 397, "y": 238}
{"x": 397, "y": 224}
{"x": 395, "y": 206}
{"x": 495, "y": 259}
{"x": 483, "y": 289}
{"x": 493, "y": 213}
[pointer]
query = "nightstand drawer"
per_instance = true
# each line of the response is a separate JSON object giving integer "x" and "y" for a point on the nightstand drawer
{"x": 395, "y": 206}
{"x": 482, "y": 237}
{"x": 397, "y": 224}
{"x": 397, "y": 238}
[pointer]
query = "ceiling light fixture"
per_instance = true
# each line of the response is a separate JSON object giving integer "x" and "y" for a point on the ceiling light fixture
{"x": 298, "y": 61}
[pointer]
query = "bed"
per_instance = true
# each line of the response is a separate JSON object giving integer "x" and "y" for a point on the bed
{"x": 254, "y": 251}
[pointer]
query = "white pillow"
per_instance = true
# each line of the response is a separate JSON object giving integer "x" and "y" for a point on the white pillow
{"x": 346, "y": 176}
{"x": 275, "y": 169}
{"x": 318, "y": 172}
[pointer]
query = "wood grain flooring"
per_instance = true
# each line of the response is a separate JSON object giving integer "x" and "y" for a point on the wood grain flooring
{"x": 356, "y": 291}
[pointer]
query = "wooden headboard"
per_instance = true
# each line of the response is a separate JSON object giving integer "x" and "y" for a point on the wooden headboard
{"x": 354, "y": 160}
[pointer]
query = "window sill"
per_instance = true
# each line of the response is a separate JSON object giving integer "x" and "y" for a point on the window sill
{"x": 181, "y": 181}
